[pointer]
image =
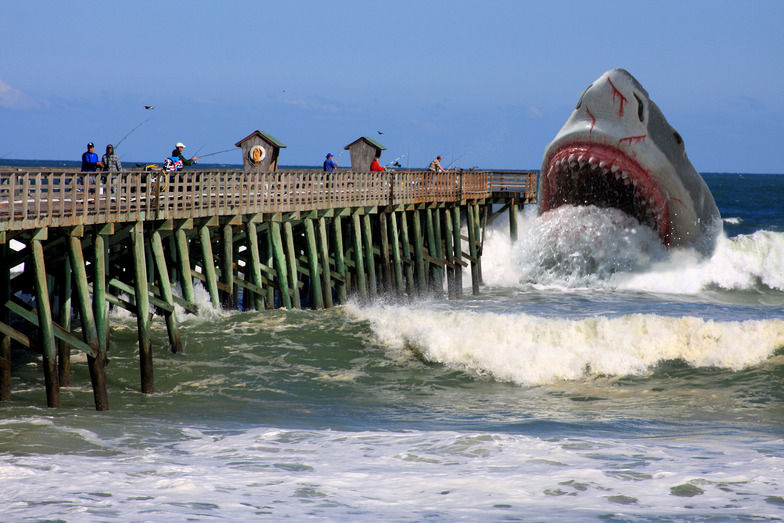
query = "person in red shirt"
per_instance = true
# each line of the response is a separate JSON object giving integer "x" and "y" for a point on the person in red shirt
{"x": 374, "y": 166}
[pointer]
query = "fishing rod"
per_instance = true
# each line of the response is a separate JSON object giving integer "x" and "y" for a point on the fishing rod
{"x": 455, "y": 161}
{"x": 197, "y": 151}
{"x": 6, "y": 154}
{"x": 396, "y": 159}
{"x": 213, "y": 154}
{"x": 129, "y": 133}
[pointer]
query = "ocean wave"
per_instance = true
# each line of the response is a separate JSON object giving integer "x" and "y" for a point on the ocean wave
{"x": 588, "y": 247}
{"x": 530, "y": 350}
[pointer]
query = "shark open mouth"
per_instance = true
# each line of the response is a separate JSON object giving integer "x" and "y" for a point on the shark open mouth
{"x": 601, "y": 175}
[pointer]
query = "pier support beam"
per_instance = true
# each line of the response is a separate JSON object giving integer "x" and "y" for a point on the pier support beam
{"x": 184, "y": 259}
{"x": 63, "y": 349}
{"x": 143, "y": 308}
{"x": 316, "y": 297}
{"x": 408, "y": 268}
{"x": 45, "y": 327}
{"x": 359, "y": 264}
{"x": 473, "y": 248}
{"x": 367, "y": 241}
{"x": 175, "y": 343}
{"x": 227, "y": 268}
{"x": 5, "y": 319}
{"x": 340, "y": 262}
{"x": 255, "y": 262}
{"x": 513, "y": 221}
{"x": 326, "y": 275}
{"x": 397, "y": 262}
{"x": 291, "y": 258}
{"x": 419, "y": 254}
{"x": 89, "y": 330}
{"x": 458, "y": 251}
{"x": 280, "y": 264}
{"x": 209, "y": 266}
{"x": 100, "y": 305}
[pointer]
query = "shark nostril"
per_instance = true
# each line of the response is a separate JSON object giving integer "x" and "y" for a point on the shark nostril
{"x": 678, "y": 138}
{"x": 640, "y": 108}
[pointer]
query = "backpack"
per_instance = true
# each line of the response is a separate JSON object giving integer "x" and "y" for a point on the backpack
{"x": 172, "y": 164}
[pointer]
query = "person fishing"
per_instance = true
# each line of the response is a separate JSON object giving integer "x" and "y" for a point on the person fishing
{"x": 329, "y": 164}
{"x": 111, "y": 162}
{"x": 375, "y": 166}
{"x": 177, "y": 153}
{"x": 90, "y": 162}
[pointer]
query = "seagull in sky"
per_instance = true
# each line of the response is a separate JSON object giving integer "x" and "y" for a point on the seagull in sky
{"x": 149, "y": 107}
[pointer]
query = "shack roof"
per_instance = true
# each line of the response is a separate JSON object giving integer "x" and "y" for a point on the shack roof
{"x": 264, "y": 136}
{"x": 368, "y": 140}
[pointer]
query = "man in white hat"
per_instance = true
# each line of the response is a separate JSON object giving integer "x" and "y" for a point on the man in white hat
{"x": 177, "y": 153}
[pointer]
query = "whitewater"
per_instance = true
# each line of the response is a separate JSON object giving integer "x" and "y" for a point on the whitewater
{"x": 597, "y": 376}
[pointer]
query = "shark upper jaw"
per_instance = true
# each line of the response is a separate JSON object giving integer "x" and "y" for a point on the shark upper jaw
{"x": 589, "y": 173}
{"x": 581, "y": 172}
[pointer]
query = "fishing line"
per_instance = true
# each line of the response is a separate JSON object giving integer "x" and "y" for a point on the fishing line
{"x": 129, "y": 133}
{"x": 213, "y": 154}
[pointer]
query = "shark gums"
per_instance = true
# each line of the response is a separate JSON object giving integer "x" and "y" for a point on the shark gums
{"x": 617, "y": 150}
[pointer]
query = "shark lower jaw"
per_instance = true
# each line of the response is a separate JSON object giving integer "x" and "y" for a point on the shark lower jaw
{"x": 604, "y": 176}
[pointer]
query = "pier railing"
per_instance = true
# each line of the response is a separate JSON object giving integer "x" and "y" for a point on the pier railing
{"x": 59, "y": 199}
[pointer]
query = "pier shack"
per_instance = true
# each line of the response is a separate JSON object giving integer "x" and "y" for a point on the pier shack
{"x": 72, "y": 245}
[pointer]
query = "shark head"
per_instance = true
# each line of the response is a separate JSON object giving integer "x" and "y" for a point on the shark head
{"x": 617, "y": 150}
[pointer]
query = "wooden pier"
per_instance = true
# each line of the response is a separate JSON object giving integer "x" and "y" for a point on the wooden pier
{"x": 80, "y": 243}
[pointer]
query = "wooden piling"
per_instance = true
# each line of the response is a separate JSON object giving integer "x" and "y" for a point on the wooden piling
{"x": 340, "y": 262}
{"x": 175, "y": 343}
{"x": 316, "y": 296}
{"x": 45, "y": 328}
{"x": 291, "y": 259}
{"x": 63, "y": 348}
{"x": 143, "y": 309}
{"x": 5, "y": 319}
{"x": 359, "y": 264}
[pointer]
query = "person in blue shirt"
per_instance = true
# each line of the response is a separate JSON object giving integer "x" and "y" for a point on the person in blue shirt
{"x": 90, "y": 162}
{"x": 329, "y": 164}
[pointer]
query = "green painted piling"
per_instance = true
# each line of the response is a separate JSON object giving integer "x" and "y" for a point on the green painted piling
{"x": 5, "y": 318}
{"x": 408, "y": 259}
{"x": 143, "y": 309}
{"x": 397, "y": 262}
{"x": 316, "y": 296}
{"x": 45, "y": 327}
{"x": 370, "y": 264}
{"x": 359, "y": 264}
{"x": 323, "y": 249}
{"x": 209, "y": 266}
{"x": 63, "y": 349}
{"x": 175, "y": 343}
{"x": 227, "y": 267}
{"x": 340, "y": 262}
{"x": 280, "y": 264}
{"x": 291, "y": 259}
{"x": 419, "y": 254}
{"x": 255, "y": 262}
{"x": 184, "y": 259}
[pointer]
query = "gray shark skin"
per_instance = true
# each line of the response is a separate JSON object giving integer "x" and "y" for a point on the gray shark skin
{"x": 617, "y": 150}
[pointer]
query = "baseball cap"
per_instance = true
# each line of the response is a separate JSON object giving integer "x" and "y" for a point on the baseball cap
{"x": 180, "y": 144}
{"x": 90, "y": 144}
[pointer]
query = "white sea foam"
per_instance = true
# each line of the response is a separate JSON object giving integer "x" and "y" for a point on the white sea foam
{"x": 397, "y": 476}
{"x": 588, "y": 247}
{"x": 531, "y": 350}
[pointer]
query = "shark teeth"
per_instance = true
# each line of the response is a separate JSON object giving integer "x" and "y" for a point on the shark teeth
{"x": 585, "y": 176}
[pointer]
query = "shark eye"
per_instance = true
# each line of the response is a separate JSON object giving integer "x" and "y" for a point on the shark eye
{"x": 580, "y": 101}
{"x": 678, "y": 138}
{"x": 640, "y": 108}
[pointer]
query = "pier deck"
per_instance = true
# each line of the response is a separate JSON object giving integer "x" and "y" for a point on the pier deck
{"x": 80, "y": 243}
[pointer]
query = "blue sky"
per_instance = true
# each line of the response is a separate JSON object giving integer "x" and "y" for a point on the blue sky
{"x": 490, "y": 83}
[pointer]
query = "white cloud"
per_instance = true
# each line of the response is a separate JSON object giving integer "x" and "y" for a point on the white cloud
{"x": 534, "y": 112}
{"x": 13, "y": 98}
